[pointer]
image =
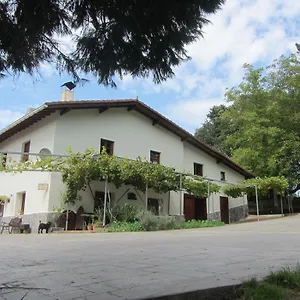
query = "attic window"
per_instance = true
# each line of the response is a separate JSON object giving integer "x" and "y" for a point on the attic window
{"x": 131, "y": 196}
{"x": 223, "y": 177}
{"x": 108, "y": 145}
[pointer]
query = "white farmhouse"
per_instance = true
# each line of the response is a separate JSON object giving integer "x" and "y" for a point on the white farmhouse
{"x": 128, "y": 128}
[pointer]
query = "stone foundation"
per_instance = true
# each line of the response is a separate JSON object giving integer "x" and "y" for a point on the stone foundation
{"x": 215, "y": 216}
{"x": 238, "y": 213}
{"x": 34, "y": 219}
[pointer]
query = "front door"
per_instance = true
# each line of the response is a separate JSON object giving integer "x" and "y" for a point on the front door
{"x": 200, "y": 209}
{"x": 23, "y": 202}
{"x": 189, "y": 207}
{"x": 153, "y": 205}
{"x": 224, "y": 210}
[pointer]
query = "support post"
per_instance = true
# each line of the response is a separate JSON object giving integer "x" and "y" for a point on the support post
{"x": 67, "y": 219}
{"x": 256, "y": 198}
{"x": 105, "y": 202}
{"x": 180, "y": 190}
{"x": 146, "y": 196}
{"x": 281, "y": 206}
{"x": 208, "y": 193}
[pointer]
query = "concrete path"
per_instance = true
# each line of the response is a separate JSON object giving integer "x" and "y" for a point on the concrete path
{"x": 138, "y": 265}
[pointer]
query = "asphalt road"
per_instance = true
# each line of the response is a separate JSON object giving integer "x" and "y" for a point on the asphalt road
{"x": 139, "y": 265}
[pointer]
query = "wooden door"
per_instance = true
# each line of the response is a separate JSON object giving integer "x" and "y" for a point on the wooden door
{"x": 153, "y": 205}
{"x": 23, "y": 202}
{"x": 200, "y": 209}
{"x": 189, "y": 207}
{"x": 224, "y": 210}
{"x": 1, "y": 210}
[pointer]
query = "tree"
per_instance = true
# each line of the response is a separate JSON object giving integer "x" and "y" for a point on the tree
{"x": 112, "y": 37}
{"x": 264, "y": 118}
{"x": 214, "y": 130}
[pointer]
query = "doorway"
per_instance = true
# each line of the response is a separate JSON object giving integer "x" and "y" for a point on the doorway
{"x": 224, "y": 210}
{"x": 194, "y": 208}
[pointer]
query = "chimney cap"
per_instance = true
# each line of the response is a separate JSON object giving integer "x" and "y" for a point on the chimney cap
{"x": 70, "y": 85}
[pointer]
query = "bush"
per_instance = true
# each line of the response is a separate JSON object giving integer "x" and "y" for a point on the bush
{"x": 151, "y": 222}
{"x": 124, "y": 226}
{"x": 126, "y": 212}
{"x": 202, "y": 224}
{"x": 286, "y": 278}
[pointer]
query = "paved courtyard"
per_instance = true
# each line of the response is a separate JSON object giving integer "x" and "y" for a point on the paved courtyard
{"x": 138, "y": 265}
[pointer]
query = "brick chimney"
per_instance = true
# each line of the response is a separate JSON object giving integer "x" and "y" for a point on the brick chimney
{"x": 67, "y": 95}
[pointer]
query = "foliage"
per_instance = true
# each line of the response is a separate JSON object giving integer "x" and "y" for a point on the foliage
{"x": 287, "y": 278}
{"x": 126, "y": 212}
{"x": 202, "y": 224}
{"x": 123, "y": 226}
{"x": 214, "y": 130}
{"x": 234, "y": 191}
{"x": 198, "y": 186}
{"x": 4, "y": 199}
{"x": 111, "y": 38}
{"x": 264, "y": 120}
{"x": 278, "y": 184}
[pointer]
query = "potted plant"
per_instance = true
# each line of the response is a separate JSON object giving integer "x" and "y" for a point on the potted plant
{"x": 91, "y": 225}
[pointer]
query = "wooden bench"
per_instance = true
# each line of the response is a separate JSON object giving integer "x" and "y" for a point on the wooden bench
{"x": 15, "y": 223}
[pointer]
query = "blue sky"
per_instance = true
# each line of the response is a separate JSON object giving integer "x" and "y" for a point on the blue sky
{"x": 244, "y": 31}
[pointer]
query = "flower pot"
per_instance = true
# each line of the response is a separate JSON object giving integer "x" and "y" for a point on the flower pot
{"x": 90, "y": 227}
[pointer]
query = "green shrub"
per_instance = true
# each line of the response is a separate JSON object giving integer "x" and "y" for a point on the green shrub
{"x": 126, "y": 212}
{"x": 286, "y": 278}
{"x": 148, "y": 221}
{"x": 124, "y": 226}
{"x": 202, "y": 224}
{"x": 265, "y": 291}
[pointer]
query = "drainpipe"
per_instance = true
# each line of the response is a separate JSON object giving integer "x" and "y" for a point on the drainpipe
{"x": 105, "y": 201}
{"x": 180, "y": 188}
{"x": 256, "y": 198}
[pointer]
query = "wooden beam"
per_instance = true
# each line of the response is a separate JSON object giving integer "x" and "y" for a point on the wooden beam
{"x": 219, "y": 160}
{"x": 64, "y": 111}
{"x": 155, "y": 122}
{"x": 103, "y": 109}
{"x": 131, "y": 107}
{"x": 183, "y": 139}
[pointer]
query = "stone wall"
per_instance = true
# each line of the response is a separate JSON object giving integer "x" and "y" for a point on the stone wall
{"x": 34, "y": 219}
{"x": 238, "y": 213}
{"x": 215, "y": 216}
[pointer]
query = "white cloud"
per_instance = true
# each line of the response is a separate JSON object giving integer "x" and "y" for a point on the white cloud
{"x": 8, "y": 116}
{"x": 254, "y": 32}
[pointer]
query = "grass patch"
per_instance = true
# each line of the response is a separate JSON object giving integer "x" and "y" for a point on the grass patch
{"x": 287, "y": 278}
{"x": 154, "y": 223}
{"x": 124, "y": 227}
{"x": 280, "y": 285}
{"x": 202, "y": 224}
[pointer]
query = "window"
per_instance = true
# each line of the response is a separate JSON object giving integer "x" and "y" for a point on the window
{"x": 25, "y": 148}
{"x": 198, "y": 169}
{"x": 3, "y": 160}
{"x": 1, "y": 210}
{"x": 154, "y": 157}
{"x": 109, "y": 146}
{"x": 131, "y": 196}
{"x": 223, "y": 178}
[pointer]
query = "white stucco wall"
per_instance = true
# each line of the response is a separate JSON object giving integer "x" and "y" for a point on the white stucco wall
{"x": 41, "y": 135}
{"x": 132, "y": 133}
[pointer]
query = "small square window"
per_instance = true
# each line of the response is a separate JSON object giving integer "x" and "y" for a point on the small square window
{"x": 108, "y": 145}
{"x": 198, "y": 169}
{"x": 154, "y": 157}
{"x": 25, "y": 148}
{"x": 223, "y": 177}
{"x": 3, "y": 160}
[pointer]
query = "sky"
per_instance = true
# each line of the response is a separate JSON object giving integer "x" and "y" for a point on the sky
{"x": 243, "y": 31}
